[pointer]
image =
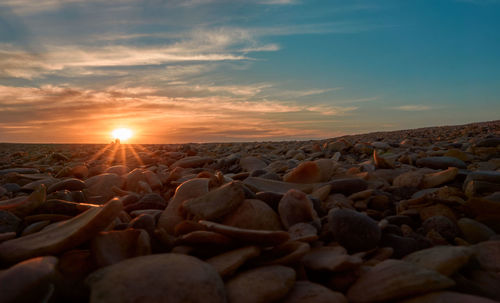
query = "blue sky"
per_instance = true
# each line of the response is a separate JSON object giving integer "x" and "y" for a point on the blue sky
{"x": 208, "y": 70}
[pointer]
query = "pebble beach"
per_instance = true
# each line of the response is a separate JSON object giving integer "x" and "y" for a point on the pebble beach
{"x": 400, "y": 216}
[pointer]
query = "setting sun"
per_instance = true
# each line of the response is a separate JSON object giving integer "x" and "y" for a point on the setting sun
{"x": 122, "y": 134}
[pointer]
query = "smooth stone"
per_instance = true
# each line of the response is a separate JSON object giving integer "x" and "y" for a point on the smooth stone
{"x": 192, "y": 161}
{"x": 489, "y": 142}
{"x": 304, "y": 232}
{"x": 253, "y": 214}
{"x": 62, "y": 207}
{"x": 330, "y": 258}
{"x": 295, "y": 207}
{"x": 401, "y": 245}
{"x": 353, "y": 230}
{"x": 7, "y": 236}
{"x": 174, "y": 213}
{"x": 12, "y": 187}
{"x": 441, "y": 162}
{"x": 437, "y": 210}
{"x": 487, "y": 176}
{"x": 443, "y": 225}
{"x": 444, "y": 259}
{"x": 19, "y": 170}
{"x": 258, "y": 184}
{"x": 69, "y": 184}
{"x": 288, "y": 253}
{"x": 29, "y": 281}
{"x": 488, "y": 255}
{"x": 80, "y": 171}
{"x": 157, "y": 278}
{"x": 111, "y": 247}
{"x": 99, "y": 187}
{"x": 64, "y": 236}
{"x": 148, "y": 201}
{"x": 35, "y": 227}
{"x": 272, "y": 199}
{"x": 9, "y": 222}
{"x": 448, "y": 296}
{"x": 251, "y": 164}
{"x": 24, "y": 205}
{"x": 308, "y": 292}
{"x": 348, "y": 186}
{"x": 216, "y": 203}
{"x": 474, "y": 231}
{"x": 118, "y": 169}
{"x": 260, "y": 285}
{"x": 394, "y": 279}
{"x": 144, "y": 221}
{"x": 227, "y": 263}
{"x": 134, "y": 179}
{"x": 205, "y": 238}
{"x": 248, "y": 236}
{"x": 33, "y": 185}
{"x": 311, "y": 172}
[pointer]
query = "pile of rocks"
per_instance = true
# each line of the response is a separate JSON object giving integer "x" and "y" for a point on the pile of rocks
{"x": 410, "y": 216}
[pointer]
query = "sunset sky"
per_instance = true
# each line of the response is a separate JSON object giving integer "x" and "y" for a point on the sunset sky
{"x": 218, "y": 70}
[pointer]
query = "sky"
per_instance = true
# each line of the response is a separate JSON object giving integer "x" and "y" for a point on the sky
{"x": 177, "y": 71}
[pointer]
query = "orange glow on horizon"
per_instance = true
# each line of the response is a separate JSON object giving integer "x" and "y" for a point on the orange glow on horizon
{"x": 122, "y": 134}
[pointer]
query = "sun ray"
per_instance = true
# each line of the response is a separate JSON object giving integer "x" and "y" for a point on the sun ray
{"x": 136, "y": 156}
{"x": 99, "y": 153}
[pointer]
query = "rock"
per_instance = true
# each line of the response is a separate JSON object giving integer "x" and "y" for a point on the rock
{"x": 9, "y": 222}
{"x": 64, "y": 236}
{"x": 330, "y": 258}
{"x": 251, "y": 164}
{"x": 308, "y": 292}
{"x": 183, "y": 279}
{"x": 249, "y": 236}
{"x": 144, "y": 221}
{"x": 192, "y": 161}
{"x": 311, "y": 172}
{"x": 395, "y": 279}
{"x": 25, "y": 205}
{"x": 353, "y": 230}
{"x": 98, "y": 187}
{"x": 444, "y": 226}
{"x": 148, "y": 201}
{"x": 263, "y": 284}
{"x": 28, "y": 281}
{"x": 473, "y": 231}
{"x": 401, "y": 245}
{"x": 488, "y": 255}
{"x": 295, "y": 208}
{"x": 444, "y": 259}
{"x": 227, "y": 263}
{"x": 216, "y": 203}
{"x": 266, "y": 185}
{"x": 69, "y": 184}
{"x": 112, "y": 247}
{"x": 489, "y": 142}
{"x": 253, "y": 214}
{"x": 117, "y": 169}
{"x": 173, "y": 213}
{"x": 348, "y": 186}
{"x": 441, "y": 162}
{"x": 448, "y": 296}
{"x": 19, "y": 170}
{"x": 134, "y": 179}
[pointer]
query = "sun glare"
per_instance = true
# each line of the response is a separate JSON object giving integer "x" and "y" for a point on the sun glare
{"x": 122, "y": 134}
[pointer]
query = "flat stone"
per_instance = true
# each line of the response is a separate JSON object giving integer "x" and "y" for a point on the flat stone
{"x": 443, "y": 225}
{"x": 192, "y": 161}
{"x": 266, "y": 185}
{"x": 28, "y": 281}
{"x": 157, "y": 278}
{"x": 253, "y": 214}
{"x": 9, "y": 222}
{"x": 251, "y": 164}
{"x": 216, "y": 203}
{"x": 24, "y": 205}
{"x": 111, "y": 247}
{"x": 227, "y": 263}
{"x": 333, "y": 259}
{"x": 488, "y": 255}
{"x": 98, "y": 187}
{"x": 348, "y": 186}
{"x": 117, "y": 169}
{"x": 441, "y": 162}
{"x": 474, "y": 231}
{"x": 173, "y": 213}
{"x": 134, "y": 178}
{"x": 308, "y": 292}
{"x": 353, "y": 230}
{"x": 249, "y": 236}
{"x": 66, "y": 235}
{"x": 295, "y": 207}
{"x": 19, "y": 170}
{"x": 444, "y": 259}
{"x": 69, "y": 184}
{"x": 448, "y": 296}
{"x": 260, "y": 285}
{"x": 395, "y": 279}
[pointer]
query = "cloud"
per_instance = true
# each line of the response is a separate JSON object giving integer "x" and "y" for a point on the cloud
{"x": 53, "y": 111}
{"x": 412, "y": 108}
